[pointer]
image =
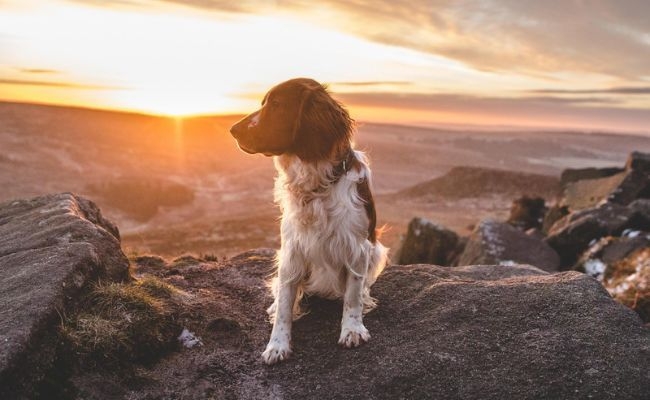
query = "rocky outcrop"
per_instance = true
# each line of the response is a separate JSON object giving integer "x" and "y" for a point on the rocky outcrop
{"x": 467, "y": 182}
{"x": 578, "y": 174}
{"x": 428, "y": 243}
{"x": 601, "y": 207}
{"x": 621, "y": 188}
{"x": 588, "y": 193}
{"x": 527, "y": 212}
{"x": 477, "y": 332}
{"x": 571, "y": 235}
{"x": 494, "y": 242}
{"x": 52, "y": 248}
{"x": 610, "y": 250}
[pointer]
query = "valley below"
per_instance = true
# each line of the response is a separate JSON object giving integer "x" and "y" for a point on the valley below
{"x": 181, "y": 186}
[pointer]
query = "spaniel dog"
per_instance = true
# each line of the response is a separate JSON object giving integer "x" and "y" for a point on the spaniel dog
{"x": 329, "y": 242}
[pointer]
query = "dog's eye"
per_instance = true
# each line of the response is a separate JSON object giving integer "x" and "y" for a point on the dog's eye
{"x": 275, "y": 103}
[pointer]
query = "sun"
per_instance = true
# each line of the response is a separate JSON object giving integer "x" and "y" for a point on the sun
{"x": 173, "y": 102}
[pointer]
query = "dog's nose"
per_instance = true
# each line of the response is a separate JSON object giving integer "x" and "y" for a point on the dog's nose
{"x": 237, "y": 129}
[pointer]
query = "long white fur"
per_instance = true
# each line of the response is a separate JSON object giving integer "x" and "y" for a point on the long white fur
{"x": 325, "y": 248}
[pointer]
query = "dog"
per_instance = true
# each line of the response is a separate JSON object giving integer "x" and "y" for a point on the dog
{"x": 329, "y": 245}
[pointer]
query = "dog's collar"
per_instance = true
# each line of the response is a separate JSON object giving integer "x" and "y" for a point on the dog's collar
{"x": 343, "y": 167}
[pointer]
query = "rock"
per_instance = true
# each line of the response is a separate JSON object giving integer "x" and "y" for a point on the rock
{"x": 554, "y": 214}
{"x": 620, "y": 248}
{"x": 51, "y": 249}
{"x": 605, "y": 253}
{"x": 640, "y": 214}
{"x": 571, "y": 235}
{"x": 588, "y": 193}
{"x": 527, "y": 212}
{"x": 578, "y": 174}
{"x": 622, "y": 188}
{"x": 638, "y": 161}
{"x": 477, "y": 332}
{"x": 635, "y": 185}
{"x": 472, "y": 182}
{"x": 428, "y": 243}
{"x": 495, "y": 242}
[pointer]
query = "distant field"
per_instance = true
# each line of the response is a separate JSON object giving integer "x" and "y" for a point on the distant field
{"x": 182, "y": 186}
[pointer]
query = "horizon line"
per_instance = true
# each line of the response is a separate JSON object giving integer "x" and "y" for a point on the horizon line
{"x": 486, "y": 128}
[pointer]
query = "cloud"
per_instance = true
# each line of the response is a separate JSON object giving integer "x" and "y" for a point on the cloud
{"x": 68, "y": 85}
{"x": 540, "y": 110}
{"x": 531, "y": 37}
{"x": 540, "y": 37}
{"x": 38, "y": 71}
{"x": 372, "y": 83}
{"x": 452, "y": 102}
{"x": 643, "y": 90}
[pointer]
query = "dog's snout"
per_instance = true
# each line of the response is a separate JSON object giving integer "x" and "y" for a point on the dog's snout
{"x": 246, "y": 123}
{"x": 239, "y": 128}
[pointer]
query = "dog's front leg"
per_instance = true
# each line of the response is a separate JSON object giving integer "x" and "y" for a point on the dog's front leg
{"x": 353, "y": 332}
{"x": 279, "y": 347}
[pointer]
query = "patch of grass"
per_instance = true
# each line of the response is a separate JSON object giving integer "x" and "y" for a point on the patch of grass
{"x": 209, "y": 257}
{"x": 124, "y": 322}
{"x": 184, "y": 261}
{"x": 629, "y": 282}
{"x": 148, "y": 261}
{"x": 156, "y": 287}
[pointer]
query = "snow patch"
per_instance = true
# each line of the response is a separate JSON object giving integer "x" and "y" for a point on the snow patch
{"x": 491, "y": 239}
{"x": 595, "y": 268}
{"x": 507, "y": 263}
{"x": 189, "y": 340}
{"x": 630, "y": 233}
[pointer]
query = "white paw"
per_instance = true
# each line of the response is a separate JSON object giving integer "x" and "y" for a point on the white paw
{"x": 276, "y": 351}
{"x": 354, "y": 335}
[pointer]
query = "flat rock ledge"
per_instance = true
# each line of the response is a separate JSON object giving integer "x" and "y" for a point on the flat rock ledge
{"x": 51, "y": 249}
{"x": 474, "y": 332}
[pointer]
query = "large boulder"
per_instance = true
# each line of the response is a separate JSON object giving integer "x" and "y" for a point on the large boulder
{"x": 527, "y": 212}
{"x": 622, "y": 188}
{"x": 428, "y": 243}
{"x": 578, "y": 174}
{"x": 571, "y": 235}
{"x": 588, "y": 193}
{"x": 605, "y": 253}
{"x": 476, "y": 332}
{"x": 52, "y": 248}
{"x": 640, "y": 214}
{"x": 638, "y": 161}
{"x": 494, "y": 242}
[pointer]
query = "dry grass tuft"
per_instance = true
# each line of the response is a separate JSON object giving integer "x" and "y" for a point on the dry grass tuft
{"x": 124, "y": 322}
{"x": 629, "y": 282}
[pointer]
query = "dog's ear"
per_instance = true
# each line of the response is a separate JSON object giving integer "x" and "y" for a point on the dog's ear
{"x": 323, "y": 127}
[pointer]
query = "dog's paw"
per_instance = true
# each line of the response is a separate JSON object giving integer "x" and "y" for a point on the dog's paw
{"x": 276, "y": 352}
{"x": 354, "y": 336}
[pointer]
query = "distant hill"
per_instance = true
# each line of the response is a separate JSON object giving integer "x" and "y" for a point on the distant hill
{"x": 466, "y": 182}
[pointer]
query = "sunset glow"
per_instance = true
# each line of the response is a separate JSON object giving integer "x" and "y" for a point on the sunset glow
{"x": 163, "y": 57}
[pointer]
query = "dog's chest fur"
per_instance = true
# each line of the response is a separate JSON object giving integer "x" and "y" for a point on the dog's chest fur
{"x": 324, "y": 220}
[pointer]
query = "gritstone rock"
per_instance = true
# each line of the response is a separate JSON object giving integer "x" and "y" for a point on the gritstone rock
{"x": 495, "y": 242}
{"x": 51, "y": 249}
{"x": 477, "y": 332}
{"x": 429, "y": 243}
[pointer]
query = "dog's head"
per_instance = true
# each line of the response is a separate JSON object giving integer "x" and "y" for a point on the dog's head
{"x": 297, "y": 117}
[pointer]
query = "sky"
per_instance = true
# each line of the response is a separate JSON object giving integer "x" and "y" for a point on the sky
{"x": 565, "y": 64}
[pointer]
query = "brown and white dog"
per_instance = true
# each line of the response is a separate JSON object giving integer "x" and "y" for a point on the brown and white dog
{"x": 329, "y": 242}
